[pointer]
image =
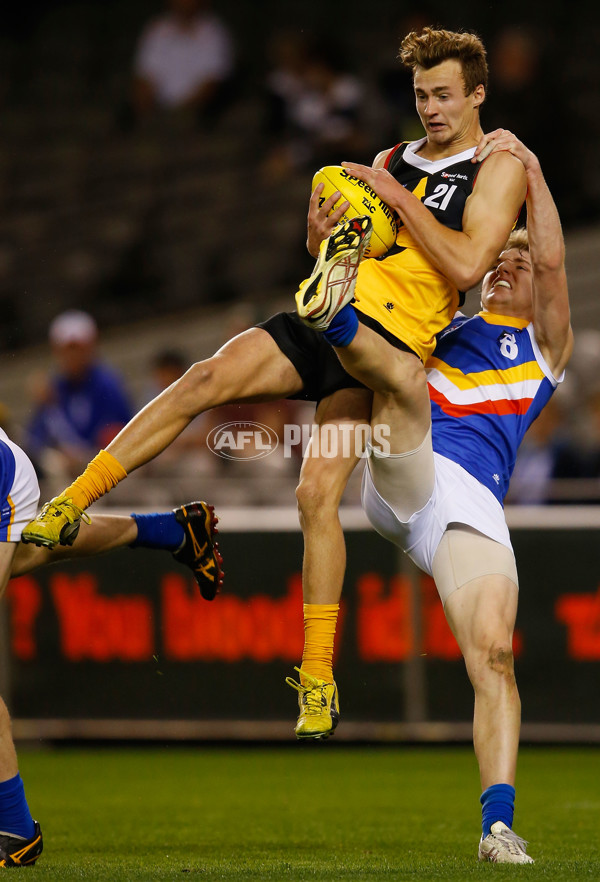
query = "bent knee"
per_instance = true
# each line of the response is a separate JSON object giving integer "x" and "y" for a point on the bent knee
{"x": 319, "y": 490}
{"x": 407, "y": 379}
{"x": 501, "y": 660}
{"x": 485, "y": 664}
{"x": 201, "y": 373}
{"x": 199, "y": 384}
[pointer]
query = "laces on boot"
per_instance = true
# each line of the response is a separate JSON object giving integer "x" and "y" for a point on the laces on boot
{"x": 64, "y": 505}
{"x": 313, "y": 696}
{"x": 515, "y": 844}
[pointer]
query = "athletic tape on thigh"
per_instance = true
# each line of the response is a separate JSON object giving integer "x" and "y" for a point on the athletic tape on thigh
{"x": 464, "y": 554}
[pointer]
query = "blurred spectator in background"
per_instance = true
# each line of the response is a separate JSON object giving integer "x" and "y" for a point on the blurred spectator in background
{"x": 167, "y": 366}
{"x": 313, "y": 108}
{"x": 187, "y": 456}
{"x": 399, "y": 122}
{"x": 548, "y": 454}
{"x": 590, "y": 445}
{"x": 594, "y": 406}
{"x": 184, "y": 59}
{"x": 245, "y": 476}
{"x": 522, "y": 77}
{"x": 78, "y": 409}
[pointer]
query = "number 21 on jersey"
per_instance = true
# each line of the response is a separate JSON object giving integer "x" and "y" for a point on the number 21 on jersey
{"x": 440, "y": 197}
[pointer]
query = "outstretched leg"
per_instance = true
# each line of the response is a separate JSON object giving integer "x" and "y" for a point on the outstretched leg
{"x": 20, "y": 836}
{"x": 188, "y": 532}
{"x": 105, "y": 533}
{"x": 251, "y": 367}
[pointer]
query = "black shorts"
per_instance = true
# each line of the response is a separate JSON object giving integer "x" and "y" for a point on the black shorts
{"x": 312, "y": 356}
{"x": 383, "y": 332}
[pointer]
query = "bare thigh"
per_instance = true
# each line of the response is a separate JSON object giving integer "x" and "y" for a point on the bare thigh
{"x": 338, "y": 419}
{"x": 251, "y": 367}
{"x": 482, "y": 613}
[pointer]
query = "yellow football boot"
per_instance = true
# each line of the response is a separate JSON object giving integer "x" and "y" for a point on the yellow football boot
{"x": 319, "y": 706}
{"x": 57, "y": 523}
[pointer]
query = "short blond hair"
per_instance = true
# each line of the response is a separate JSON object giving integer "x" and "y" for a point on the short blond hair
{"x": 518, "y": 239}
{"x": 432, "y": 46}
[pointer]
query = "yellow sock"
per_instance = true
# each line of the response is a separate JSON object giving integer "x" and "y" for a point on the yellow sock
{"x": 102, "y": 474}
{"x": 320, "y": 620}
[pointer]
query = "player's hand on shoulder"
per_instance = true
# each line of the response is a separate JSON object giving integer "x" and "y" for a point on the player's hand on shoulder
{"x": 320, "y": 223}
{"x": 502, "y": 140}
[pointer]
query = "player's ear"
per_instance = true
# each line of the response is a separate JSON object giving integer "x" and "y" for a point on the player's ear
{"x": 478, "y": 95}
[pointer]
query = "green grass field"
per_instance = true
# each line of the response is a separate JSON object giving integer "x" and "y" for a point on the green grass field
{"x": 314, "y": 812}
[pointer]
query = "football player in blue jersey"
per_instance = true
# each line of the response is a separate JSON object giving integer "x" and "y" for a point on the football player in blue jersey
{"x": 182, "y": 532}
{"x": 437, "y": 490}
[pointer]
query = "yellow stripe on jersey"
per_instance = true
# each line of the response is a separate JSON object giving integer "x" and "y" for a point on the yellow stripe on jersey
{"x": 530, "y": 370}
{"x": 12, "y": 517}
{"x": 509, "y": 320}
{"x": 421, "y": 187}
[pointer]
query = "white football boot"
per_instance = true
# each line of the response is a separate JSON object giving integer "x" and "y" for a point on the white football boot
{"x": 332, "y": 283}
{"x": 502, "y": 846}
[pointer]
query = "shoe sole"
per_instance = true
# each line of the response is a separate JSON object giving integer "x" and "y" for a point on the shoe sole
{"x": 210, "y": 525}
{"x": 491, "y": 857}
{"x": 209, "y": 588}
{"x": 313, "y": 298}
{"x": 318, "y": 736}
{"x": 321, "y": 736}
{"x": 67, "y": 536}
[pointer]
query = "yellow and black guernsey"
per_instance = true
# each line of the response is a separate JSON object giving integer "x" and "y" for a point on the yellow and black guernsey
{"x": 402, "y": 295}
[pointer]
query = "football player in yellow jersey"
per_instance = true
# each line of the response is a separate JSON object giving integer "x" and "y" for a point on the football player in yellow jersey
{"x": 260, "y": 362}
{"x": 454, "y": 216}
{"x": 450, "y": 77}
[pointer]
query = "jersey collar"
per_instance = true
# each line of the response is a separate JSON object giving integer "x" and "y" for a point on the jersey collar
{"x": 493, "y": 319}
{"x": 433, "y": 165}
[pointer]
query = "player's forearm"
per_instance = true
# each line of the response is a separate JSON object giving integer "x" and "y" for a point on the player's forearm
{"x": 546, "y": 242}
{"x": 551, "y": 314}
{"x": 451, "y": 251}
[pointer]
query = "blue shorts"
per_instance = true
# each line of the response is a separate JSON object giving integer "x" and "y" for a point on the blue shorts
{"x": 19, "y": 490}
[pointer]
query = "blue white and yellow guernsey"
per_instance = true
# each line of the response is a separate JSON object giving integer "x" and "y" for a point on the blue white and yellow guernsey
{"x": 488, "y": 381}
{"x": 7, "y": 477}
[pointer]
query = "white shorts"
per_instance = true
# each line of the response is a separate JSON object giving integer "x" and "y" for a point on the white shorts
{"x": 457, "y": 498}
{"x": 19, "y": 490}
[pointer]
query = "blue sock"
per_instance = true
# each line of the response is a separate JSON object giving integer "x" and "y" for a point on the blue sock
{"x": 15, "y": 816}
{"x": 343, "y": 328}
{"x": 159, "y": 530}
{"x": 497, "y": 804}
